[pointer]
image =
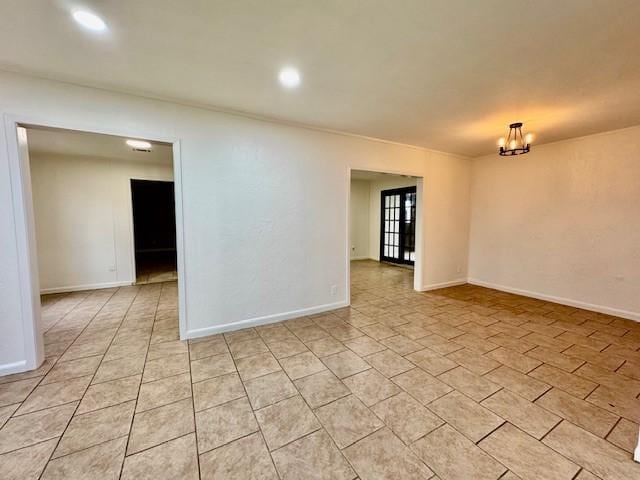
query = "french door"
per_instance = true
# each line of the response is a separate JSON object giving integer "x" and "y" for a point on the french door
{"x": 398, "y": 225}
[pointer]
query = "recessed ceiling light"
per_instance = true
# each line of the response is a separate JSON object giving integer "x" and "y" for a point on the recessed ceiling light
{"x": 289, "y": 77}
{"x": 89, "y": 20}
{"x": 139, "y": 144}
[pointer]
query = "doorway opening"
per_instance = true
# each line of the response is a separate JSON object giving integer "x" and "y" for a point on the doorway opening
{"x": 154, "y": 230}
{"x": 74, "y": 194}
{"x": 385, "y": 231}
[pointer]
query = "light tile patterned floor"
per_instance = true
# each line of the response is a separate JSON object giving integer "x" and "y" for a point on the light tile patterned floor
{"x": 460, "y": 383}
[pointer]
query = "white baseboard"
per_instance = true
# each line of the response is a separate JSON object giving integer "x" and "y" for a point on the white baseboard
{"x": 561, "y": 300}
{"x": 435, "y": 286}
{"x": 365, "y": 257}
{"x": 78, "y": 288}
{"x": 15, "y": 367}
{"x": 254, "y": 322}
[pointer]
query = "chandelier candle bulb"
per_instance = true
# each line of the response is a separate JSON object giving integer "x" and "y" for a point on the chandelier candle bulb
{"x": 517, "y": 142}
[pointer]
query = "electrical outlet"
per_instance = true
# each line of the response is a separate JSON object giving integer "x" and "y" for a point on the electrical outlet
{"x": 334, "y": 290}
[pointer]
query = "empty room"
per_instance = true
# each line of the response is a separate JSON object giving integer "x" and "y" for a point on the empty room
{"x": 335, "y": 240}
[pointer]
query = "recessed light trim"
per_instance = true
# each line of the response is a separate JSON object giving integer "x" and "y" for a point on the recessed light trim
{"x": 289, "y": 77}
{"x": 89, "y": 20}
{"x": 139, "y": 144}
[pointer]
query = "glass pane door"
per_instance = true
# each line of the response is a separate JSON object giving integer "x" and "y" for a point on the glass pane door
{"x": 398, "y": 225}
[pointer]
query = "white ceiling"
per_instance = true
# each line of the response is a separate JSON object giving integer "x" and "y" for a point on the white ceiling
{"x": 67, "y": 142}
{"x": 445, "y": 74}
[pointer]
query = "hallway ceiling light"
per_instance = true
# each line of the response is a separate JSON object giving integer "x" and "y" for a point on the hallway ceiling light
{"x": 89, "y": 20}
{"x": 289, "y": 77}
{"x": 139, "y": 145}
{"x": 515, "y": 143}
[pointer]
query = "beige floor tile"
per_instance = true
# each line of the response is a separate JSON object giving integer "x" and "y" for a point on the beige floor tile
{"x": 401, "y": 344}
{"x": 513, "y": 359}
{"x": 208, "y": 348}
{"x": 211, "y": 367}
{"x": 164, "y": 391}
{"x": 302, "y": 365}
{"x": 313, "y": 457}
{"x": 584, "y": 414}
{"x": 452, "y": 456}
{"x": 96, "y": 427}
{"x": 53, "y": 394}
{"x": 569, "y": 382}
{"x": 524, "y": 385}
{"x": 604, "y": 360}
{"x": 465, "y": 415}
{"x": 526, "y": 456}
{"x": 383, "y": 455}
{"x": 222, "y": 424}
{"x": 439, "y": 344}
{"x": 287, "y": 348}
{"x": 625, "y": 435}
{"x": 548, "y": 342}
{"x": 469, "y": 383}
{"x": 165, "y": 367}
{"x": 517, "y": 344}
{"x": 38, "y": 372}
{"x": 620, "y": 383}
{"x": 348, "y": 420}
{"x": 26, "y": 463}
{"x": 216, "y": 391}
{"x": 246, "y": 348}
{"x": 321, "y": 388}
{"x": 310, "y": 333}
{"x": 110, "y": 393}
{"x": 257, "y": 365}
{"x": 620, "y": 404}
{"x": 585, "y": 341}
{"x": 269, "y": 389}
{"x": 240, "y": 335}
{"x": 6, "y": 412}
{"x": 286, "y": 421}
{"x": 164, "y": 423}
{"x": 406, "y": 417}
{"x": 17, "y": 391}
{"x": 525, "y": 415}
{"x": 378, "y": 331}
{"x": 165, "y": 349}
{"x": 473, "y": 361}
{"x": 127, "y": 349}
{"x": 412, "y": 331}
{"x": 121, "y": 368}
{"x": 630, "y": 369}
{"x": 80, "y": 350}
{"x": 242, "y": 459}
{"x": 326, "y": 346}
{"x": 476, "y": 343}
{"x": 345, "y": 364}
{"x": 364, "y": 346}
{"x": 371, "y": 387}
{"x": 593, "y": 453}
{"x": 102, "y": 461}
{"x": 72, "y": 369}
{"x": 446, "y": 331}
{"x": 389, "y": 363}
{"x": 175, "y": 459}
{"x": 422, "y": 386}
{"x": 431, "y": 362}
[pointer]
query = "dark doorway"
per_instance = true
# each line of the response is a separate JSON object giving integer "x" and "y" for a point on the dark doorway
{"x": 398, "y": 226}
{"x": 154, "y": 230}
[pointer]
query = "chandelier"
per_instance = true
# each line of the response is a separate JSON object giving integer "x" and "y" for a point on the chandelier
{"x": 515, "y": 143}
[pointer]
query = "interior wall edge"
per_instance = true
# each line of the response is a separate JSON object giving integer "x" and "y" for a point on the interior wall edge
{"x": 436, "y": 286}
{"x": 265, "y": 320}
{"x": 635, "y": 316}
{"x": 11, "y": 368}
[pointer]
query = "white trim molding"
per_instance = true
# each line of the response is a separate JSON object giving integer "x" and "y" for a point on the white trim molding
{"x": 80, "y": 288}
{"x": 267, "y": 319}
{"x": 10, "y": 368}
{"x": 436, "y": 286}
{"x": 561, "y": 300}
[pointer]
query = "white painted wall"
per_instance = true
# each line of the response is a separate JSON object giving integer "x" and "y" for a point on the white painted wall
{"x": 265, "y": 204}
{"x": 562, "y": 222}
{"x": 82, "y": 208}
{"x": 359, "y": 219}
{"x": 375, "y": 189}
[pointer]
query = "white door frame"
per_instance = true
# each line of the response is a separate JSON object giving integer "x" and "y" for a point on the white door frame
{"x": 419, "y": 240}
{"x": 22, "y": 202}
